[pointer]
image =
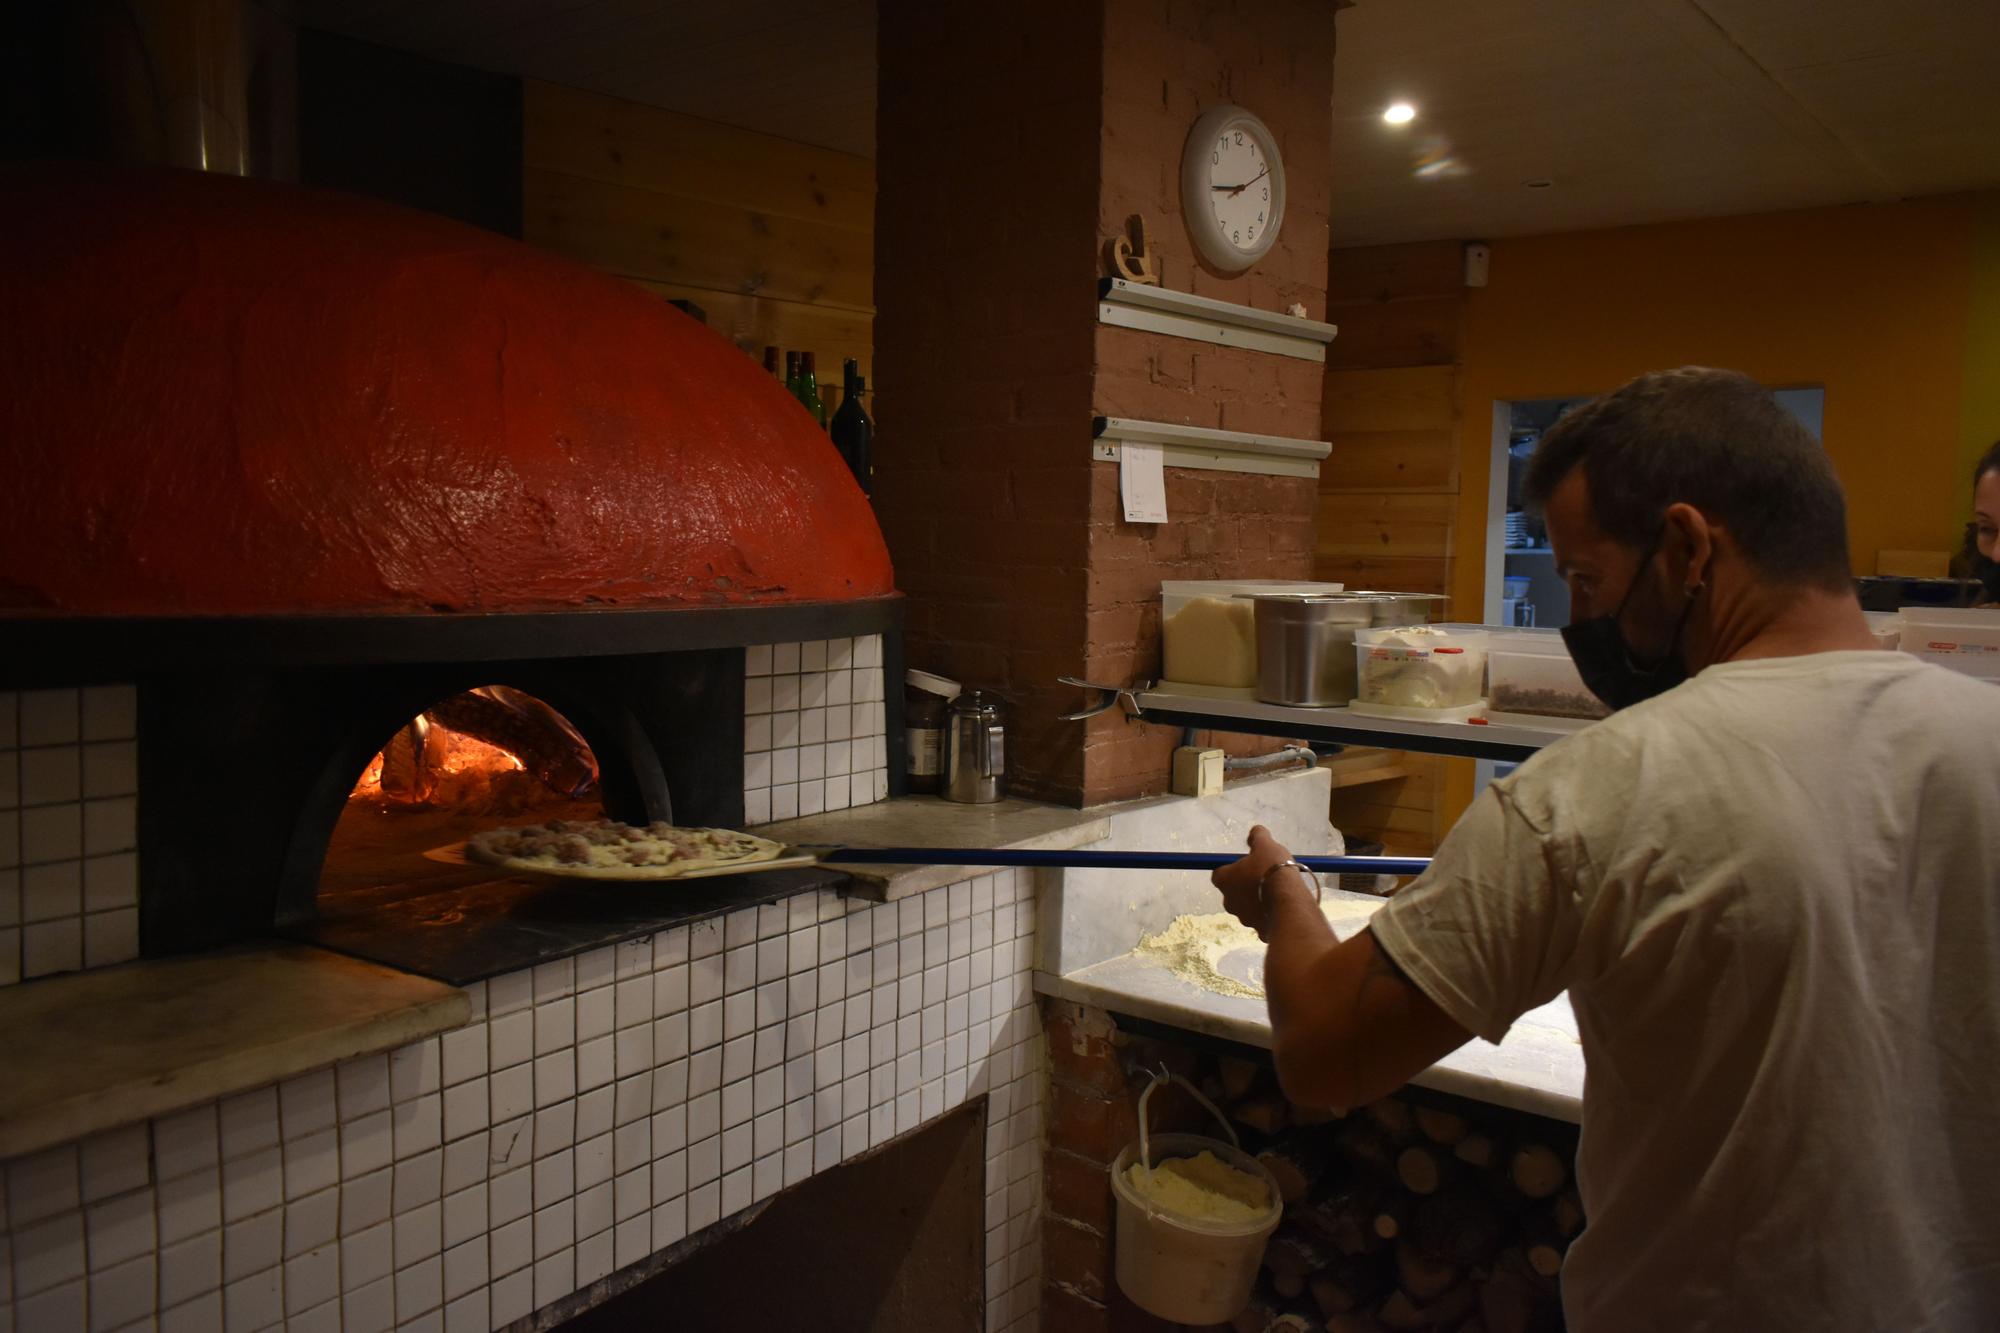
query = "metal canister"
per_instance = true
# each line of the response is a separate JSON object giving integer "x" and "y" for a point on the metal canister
{"x": 1401, "y": 608}
{"x": 1305, "y": 647}
{"x": 975, "y": 750}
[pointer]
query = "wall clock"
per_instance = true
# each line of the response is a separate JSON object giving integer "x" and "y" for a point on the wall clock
{"x": 1232, "y": 187}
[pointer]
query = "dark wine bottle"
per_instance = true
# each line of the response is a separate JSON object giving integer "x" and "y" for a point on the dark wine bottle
{"x": 771, "y": 362}
{"x": 853, "y": 433}
{"x": 809, "y": 388}
{"x": 792, "y": 374}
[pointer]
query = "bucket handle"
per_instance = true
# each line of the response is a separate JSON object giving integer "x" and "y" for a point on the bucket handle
{"x": 1168, "y": 1076}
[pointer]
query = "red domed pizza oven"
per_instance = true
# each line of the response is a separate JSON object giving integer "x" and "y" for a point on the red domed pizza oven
{"x": 366, "y": 502}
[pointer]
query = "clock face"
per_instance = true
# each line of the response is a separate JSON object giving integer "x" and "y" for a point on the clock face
{"x": 1232, "y": 188}
{"x": 1239, "y": 187}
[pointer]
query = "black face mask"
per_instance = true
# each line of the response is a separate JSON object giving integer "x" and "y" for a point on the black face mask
{"x": 1598, "y": 648}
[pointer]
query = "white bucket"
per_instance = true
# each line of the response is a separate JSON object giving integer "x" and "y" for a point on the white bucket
{"x": 1182, "y": 1268}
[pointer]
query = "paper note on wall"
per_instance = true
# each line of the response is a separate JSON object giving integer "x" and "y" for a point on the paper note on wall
{"x": 1142, "y": 482}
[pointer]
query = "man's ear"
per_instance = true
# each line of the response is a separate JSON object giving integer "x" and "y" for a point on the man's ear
{"x": 1692, "y": 540}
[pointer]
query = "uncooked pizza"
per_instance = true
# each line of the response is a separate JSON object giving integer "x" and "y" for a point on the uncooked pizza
{"x": 606, "y": 849}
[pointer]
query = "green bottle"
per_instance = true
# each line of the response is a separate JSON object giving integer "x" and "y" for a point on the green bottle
{"x": 809, "y": 389}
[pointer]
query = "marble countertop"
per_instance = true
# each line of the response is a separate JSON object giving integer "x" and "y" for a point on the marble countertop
{"x": 1539, "y": 1068}
{"x": 928, "y": 821}
{"x": 95, "y": 1050}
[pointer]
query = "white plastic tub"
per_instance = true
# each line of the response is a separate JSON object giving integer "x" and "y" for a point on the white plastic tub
{"x": 1208, "y": 630}
{"x": 1980, "y": 666}
{"x": 1185, "y": 1269}
{"x": 1532, "y": 675}
{"x": 1929, "y": 630}
{"x": 1886, "y": 626}
{"x": 1420, "y": 666}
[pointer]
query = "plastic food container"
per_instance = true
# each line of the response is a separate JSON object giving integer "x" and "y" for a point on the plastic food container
{"x": 1403, "y": 608}
{"x": 1208, "y": 629}
{"x": 1936, "y": 629}
{"x": 1188, "y": 1270}
{"x": 1886, "y": 626}
{"x": 1532, "y": 675}
{"x": 1966, "y": 641}
{"x": 1980, "y": 666}
{"x": 1430, "y": 667}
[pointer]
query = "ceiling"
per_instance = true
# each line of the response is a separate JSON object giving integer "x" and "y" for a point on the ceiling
{"x": 1631, "y": 110}
{"x": 803, "y": 70}
{"x": 1647, "y": 110}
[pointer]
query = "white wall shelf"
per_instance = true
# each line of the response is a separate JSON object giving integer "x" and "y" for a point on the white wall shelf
{"x": 1183, "y": 315}
{"x": 1217, "y": 450}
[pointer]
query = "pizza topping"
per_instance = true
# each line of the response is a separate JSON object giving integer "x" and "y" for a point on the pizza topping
{"x": 607, "y": 846}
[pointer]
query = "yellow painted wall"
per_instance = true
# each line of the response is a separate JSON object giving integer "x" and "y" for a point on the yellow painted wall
{"x": 1870, "y": 301}
{"x": 1981, "y": 417}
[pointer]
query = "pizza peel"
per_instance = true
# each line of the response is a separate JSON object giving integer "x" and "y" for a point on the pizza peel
{"x": 798, "y": 856}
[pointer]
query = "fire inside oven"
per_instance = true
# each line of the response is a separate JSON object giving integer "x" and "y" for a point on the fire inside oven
{"x": 484, "y": 758}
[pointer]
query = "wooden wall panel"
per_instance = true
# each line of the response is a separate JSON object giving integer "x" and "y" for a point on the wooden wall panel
{"x": 625, "y": 143}
{"x": 1389, "y": 499}
{"x": 773, "y": 239}
{"x": 1421, "y": 398}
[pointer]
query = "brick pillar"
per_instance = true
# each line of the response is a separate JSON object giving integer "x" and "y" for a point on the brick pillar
{"x": 1096, "y": 1075}
{"x": 985, "y": 231}
{"x": 1011, "y": 144}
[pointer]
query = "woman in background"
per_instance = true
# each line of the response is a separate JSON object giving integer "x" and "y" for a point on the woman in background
{"x": 1981, "y": 554}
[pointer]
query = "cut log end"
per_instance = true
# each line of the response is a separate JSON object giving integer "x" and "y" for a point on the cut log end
{"x": 1537, "y": 1171}
{"x": 1419, "y": 1169}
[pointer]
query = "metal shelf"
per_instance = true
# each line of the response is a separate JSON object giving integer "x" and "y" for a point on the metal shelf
{"x": 1339, "y": 727}
{"x": 1184, "y": 315}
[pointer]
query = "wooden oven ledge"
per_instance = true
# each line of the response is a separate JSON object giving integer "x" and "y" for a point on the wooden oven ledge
{"x": 929, "y": 821}
{"x": 94, "y": 1050}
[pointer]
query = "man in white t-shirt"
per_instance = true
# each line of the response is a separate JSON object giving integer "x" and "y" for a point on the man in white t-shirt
{"x": 1771, "y": 891}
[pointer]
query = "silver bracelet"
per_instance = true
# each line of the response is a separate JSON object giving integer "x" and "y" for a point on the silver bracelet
{"x": 1303, "y": 870}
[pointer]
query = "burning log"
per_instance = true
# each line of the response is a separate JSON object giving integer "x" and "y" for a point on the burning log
{"x": 525, "y": 727}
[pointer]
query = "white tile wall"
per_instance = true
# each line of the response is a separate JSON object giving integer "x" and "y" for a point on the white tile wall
{"x": 595, "y": 1111}
{"x": 69, "y": 869}
{"x": 69, "y": 786}
{"x": 813, "y": 728}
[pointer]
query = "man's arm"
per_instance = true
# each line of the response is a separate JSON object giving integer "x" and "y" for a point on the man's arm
{"x": 1346, "y": 1025}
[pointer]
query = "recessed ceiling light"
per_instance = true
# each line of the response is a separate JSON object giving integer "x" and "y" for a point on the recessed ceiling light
{"x": 1539, "y": 183}
{"x": 1400, "y": 113}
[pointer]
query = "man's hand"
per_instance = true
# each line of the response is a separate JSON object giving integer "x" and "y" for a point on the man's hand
{"x": 1346, "y": 1025}
{"x": 1242, "y": 881}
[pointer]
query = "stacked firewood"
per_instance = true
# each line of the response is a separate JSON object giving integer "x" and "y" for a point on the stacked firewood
{"x": 1406, "y": 1214}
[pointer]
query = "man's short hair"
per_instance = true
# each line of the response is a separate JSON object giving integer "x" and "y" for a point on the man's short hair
{"x": 1714, "y": 439}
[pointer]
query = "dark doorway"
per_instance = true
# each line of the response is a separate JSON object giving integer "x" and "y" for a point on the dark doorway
{"x": 892, "y": 1243}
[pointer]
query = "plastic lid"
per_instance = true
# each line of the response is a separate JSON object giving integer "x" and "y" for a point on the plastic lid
{"x": 929, "y": 684}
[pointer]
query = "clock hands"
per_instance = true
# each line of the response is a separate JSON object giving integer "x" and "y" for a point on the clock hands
{"x": 1239, "y": 189}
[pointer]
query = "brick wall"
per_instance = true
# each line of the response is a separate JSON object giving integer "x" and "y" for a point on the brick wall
{"x": 985, "y": 251}
{"x": 991, "y": 214}
{"x": 1094, "y": 1086}
{"x": 1164, "y": 67}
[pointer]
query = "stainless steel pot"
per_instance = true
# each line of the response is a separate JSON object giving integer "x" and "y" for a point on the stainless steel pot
{"x": 1305, "y": 647}
{"x": 975, "y": 750}
{"x": 1400, "y": 608}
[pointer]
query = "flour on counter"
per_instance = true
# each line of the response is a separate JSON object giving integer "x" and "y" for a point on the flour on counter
{"x": 1191, "y": 947}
